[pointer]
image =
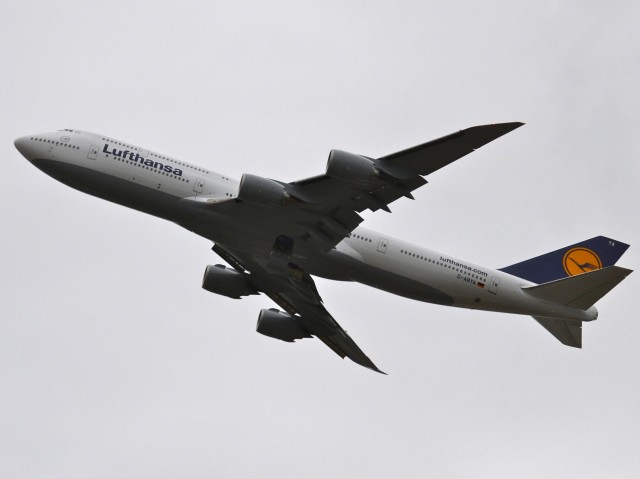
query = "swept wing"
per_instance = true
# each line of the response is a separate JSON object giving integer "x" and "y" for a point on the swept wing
{"x": 322, "y": 212}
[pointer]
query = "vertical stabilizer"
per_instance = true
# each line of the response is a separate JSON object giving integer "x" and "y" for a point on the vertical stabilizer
{"x": 583, "y": 257}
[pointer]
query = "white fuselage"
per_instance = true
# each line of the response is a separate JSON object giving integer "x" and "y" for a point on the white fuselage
{"x": 166, "y": 187}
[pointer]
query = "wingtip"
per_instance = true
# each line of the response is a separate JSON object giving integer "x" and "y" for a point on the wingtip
{"x": 512, "y": 125}
{"x": 490, "y": 128}
{"x": 375, "y": 368}
{"x": 505, "y": 128}
{"x": 369, "y": 365}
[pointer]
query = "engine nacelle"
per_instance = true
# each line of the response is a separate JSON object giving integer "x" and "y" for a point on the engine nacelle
{"x": 226, "y": 281}
{"x": 262, "y": 191}
{"x": 351, "y": 168}
{"x": 279, "y": 325}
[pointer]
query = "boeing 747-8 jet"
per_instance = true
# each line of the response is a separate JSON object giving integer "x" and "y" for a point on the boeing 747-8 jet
{"x": 275, "y": 236}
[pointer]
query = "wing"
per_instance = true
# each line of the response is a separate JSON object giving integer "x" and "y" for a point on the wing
{"x": 400, "y": 174}
{"x": 276, "y": 222}
{"x": 296, "y": 293}
{"x": 325, "y": 209}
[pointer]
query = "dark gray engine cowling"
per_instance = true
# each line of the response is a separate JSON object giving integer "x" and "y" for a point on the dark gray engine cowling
{"x": 262, "y": 191}
{"x": 226, "y": 281}
{"x": 279, "y": 325}
{"x": 351, "y": 168}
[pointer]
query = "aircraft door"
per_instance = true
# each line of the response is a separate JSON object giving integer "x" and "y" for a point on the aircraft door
{"x": 382, "y": 245}
{"x": 198, "y": 185}
{"x": 93, "y": 152}
{"x": 493, "y": 285}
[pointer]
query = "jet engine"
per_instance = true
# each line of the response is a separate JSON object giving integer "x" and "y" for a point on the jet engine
{"x": 279, "y": 325}
{"x": 225, "y": 281}
{"x": 262, "y": 191}
{"x": 351, "y": 168}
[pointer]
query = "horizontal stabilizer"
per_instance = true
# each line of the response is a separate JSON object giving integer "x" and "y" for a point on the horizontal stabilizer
{"x": 581, "y": 291}
{"x": 567, "y": 332}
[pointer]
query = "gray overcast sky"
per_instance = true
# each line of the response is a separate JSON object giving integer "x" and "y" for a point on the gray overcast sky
{"x": 114, "y": 363}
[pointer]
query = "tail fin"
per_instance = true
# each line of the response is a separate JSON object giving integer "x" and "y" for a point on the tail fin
{"x": 583, "y": 257}
{"x": 580, "y": 291}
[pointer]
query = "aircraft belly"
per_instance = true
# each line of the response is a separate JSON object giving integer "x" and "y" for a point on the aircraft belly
{"x": 386, "y": 280}
{"x": 111, "y": 188}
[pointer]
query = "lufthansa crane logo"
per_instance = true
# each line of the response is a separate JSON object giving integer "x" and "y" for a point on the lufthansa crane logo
{"x": 581, "y": 260}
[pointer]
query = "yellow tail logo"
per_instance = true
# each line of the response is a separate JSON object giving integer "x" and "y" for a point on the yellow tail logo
{"x": 580, "y": 260}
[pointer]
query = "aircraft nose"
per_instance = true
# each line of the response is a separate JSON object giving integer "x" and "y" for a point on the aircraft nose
{"x": 25, "y": 146}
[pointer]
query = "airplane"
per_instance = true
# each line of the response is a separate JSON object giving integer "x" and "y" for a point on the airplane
{"x": 274, "y": 236}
